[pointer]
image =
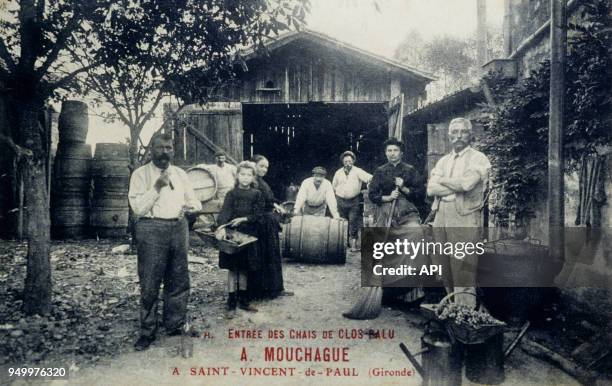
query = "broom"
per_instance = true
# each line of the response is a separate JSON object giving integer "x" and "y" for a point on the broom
{"x": 369, "y": 304}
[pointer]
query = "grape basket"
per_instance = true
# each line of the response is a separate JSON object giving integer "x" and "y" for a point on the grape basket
{"x": 466, "y": 332}
{"x": 235, "y": 242}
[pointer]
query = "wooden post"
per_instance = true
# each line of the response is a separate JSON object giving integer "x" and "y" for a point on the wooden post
{"x": 558, "y": 45}
{"x": 481, "y": 33}
{"x": 507, "y": 28}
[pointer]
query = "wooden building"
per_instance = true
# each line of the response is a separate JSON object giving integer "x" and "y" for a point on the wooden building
{"x": 301, "y": 104}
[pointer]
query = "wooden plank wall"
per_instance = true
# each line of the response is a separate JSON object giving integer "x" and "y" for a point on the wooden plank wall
{"x": 223, "y": 126}
{"x": 301, "y": 74}
{"x": 312, "y": 81}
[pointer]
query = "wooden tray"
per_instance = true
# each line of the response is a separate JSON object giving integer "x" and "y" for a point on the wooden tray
{"x": 227, "y": 246}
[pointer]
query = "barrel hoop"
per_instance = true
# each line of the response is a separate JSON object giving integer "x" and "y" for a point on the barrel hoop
{"x": 300, "y": 237}
{"x": 342, "y": 238}
{"x": 287, "y": 238}
{"x": 327, "y": 246}
{"x": 339, "y": 238}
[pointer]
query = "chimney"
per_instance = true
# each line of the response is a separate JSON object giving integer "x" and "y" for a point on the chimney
{"x": 507, "y": 33}
{"x": 481, "y": 32}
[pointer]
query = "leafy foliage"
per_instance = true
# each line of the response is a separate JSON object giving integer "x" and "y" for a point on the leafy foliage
{"x": 46, "y": 46}
{"x": 181, "y": 48}
{"x": 452, "y": 59}
{"x": 517, "y": 130}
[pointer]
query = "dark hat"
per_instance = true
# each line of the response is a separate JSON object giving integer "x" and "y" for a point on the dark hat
{"x": 319, "y": 170}
{"x": 219, "y": 152}
{"x": 349, "y": 153}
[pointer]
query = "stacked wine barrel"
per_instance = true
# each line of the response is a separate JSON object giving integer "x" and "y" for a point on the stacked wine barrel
{"x": 111, "y": 175}
{"x": 72, "y": 182}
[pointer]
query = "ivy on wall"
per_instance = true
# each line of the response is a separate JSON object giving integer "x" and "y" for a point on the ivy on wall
{"x": 516, "y": 137}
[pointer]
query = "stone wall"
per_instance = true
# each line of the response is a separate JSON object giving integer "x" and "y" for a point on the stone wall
{"x": 527, "y": 17}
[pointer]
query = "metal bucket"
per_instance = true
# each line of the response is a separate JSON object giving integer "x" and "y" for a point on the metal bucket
{"x": 484, "y": 362}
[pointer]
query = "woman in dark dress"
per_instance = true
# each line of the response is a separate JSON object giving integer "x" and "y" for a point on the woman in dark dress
{"x": 267, "y": 282}
{"x": 243, "y": 209}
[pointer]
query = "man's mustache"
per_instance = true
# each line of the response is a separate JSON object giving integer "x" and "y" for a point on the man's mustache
{"x": 164, "y": 157}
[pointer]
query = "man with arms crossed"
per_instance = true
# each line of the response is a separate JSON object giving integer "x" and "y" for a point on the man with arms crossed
{"x": 457, "y": 184}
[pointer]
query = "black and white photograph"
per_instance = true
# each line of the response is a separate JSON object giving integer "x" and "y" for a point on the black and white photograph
{"x": 301, "y": 192}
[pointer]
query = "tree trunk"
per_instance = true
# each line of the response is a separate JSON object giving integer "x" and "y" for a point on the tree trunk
{"x": 134, "y": 164}
{"x": 134, "y": 135}
{"x": 37, "y": 289}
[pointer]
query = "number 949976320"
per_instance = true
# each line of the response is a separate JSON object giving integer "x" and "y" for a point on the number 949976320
{"x": 38, "y": 372}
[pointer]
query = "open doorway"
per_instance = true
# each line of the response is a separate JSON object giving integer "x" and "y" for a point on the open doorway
{"x": 297, "y": 137}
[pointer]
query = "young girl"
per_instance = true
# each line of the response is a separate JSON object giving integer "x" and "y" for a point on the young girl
{"x": 242, "y": 209}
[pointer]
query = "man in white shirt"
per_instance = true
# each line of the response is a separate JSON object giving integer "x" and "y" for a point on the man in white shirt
{"x": 160, "y": 194}
{"x": 457, "y": 184}
{"x": 225, "y": 174}
{"x": 347, "y": 183}
{"x": 315, "y": 195}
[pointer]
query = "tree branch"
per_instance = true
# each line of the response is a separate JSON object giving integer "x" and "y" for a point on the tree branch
{"x": 6, "y": 56}
{"x": 148, "y": 115}
{"x": 127, "y": 101}
{"x": 60, "y": 43}
{"x": 110, "y": 98}
{"x": 70, "y": 77}
{"x": 20, "y": 152}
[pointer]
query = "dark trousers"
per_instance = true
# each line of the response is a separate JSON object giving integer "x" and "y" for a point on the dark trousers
{"x": 350, "y": 210}
{"x": 162, "y": 255}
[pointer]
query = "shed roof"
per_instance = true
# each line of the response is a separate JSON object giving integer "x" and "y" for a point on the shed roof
{"x": 327, "y": 41}
{"x": 457, "y": 102}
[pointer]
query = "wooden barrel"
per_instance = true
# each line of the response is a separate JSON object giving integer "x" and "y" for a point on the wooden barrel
{"x": 109, "y": 216}
{"x": 70, "y": 200}
{"x": 111, "y": 185}
{"x": 73, "y": 160}
{"x": 73, "y": 122}
{"x": 70, "y": 190}
{"x": 72, "y": 169}
{"x": 203, "y": 181}
{"x": 111, "y": 178}
{"x": 111, "y": 160}
{"x": 315, "y": 239}
{"x": 69, "y": 222}
{"x": 72, "y": 184}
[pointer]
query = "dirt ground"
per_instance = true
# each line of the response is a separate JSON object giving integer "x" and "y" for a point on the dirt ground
{"x": 95, "y": 319}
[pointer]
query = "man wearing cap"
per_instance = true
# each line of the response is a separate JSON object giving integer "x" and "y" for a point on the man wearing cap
{"x": 457, "y": 184}
{"x": 315, "y": 195}
{"x": 347, "y": 184}
{"x": 225, "y": 174}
